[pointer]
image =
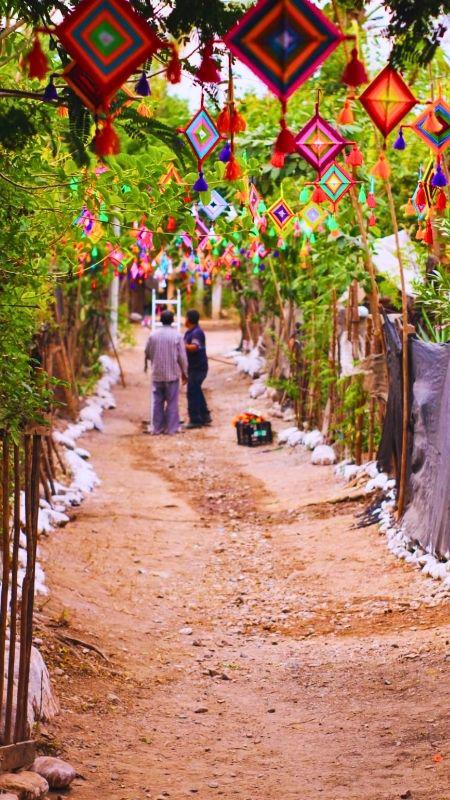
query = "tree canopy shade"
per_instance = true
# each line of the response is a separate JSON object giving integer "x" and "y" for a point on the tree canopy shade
{"x": 416, "y": 27}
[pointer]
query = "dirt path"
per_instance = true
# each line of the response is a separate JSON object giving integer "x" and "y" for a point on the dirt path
{"x": 257, "y": 647}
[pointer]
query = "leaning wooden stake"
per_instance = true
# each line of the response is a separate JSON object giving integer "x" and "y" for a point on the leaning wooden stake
{"x": 405, "y": 359}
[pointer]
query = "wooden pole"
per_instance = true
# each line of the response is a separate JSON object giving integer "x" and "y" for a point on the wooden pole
{"x": 6, "y": 562}
{"x": 405, "y": 358}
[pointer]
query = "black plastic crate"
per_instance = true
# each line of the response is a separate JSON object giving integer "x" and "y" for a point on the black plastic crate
{"x": 254, "y": 435}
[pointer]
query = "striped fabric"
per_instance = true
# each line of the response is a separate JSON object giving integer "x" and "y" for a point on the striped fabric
{"x": 165, "y": 349}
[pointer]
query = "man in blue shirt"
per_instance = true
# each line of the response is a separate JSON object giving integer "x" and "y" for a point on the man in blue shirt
{"x": 195, "y": 343}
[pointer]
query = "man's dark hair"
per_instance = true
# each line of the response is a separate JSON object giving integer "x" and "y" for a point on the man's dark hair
{"x": 193, "y": 316}
{"x": 167, "y": 318}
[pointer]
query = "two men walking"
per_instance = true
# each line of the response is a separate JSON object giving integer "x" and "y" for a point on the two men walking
{"x": 173, "y": 358}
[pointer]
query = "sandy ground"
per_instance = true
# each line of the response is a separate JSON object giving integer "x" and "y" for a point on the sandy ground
{"x": 257, "y": 646}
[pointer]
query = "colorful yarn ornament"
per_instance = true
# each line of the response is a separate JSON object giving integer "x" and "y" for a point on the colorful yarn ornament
{"x": 355, "y": 158}
{"x": 106, "y": 141}
{"x": 410, "y": 211}
{"x": 355, "y": 72}
{"x": 439, "y": 180}
{"x": 233, "y": 171}
{"x": 285, "y": 142}
{"x": 441, "y": 201}
{"x": 278, "y": 160}
{"x": 381, "y": 169}
{"x": 208, "y": 71}
{"x": 421, "y": 198}
{"x": 432, "y": 124}
{"x": 400, "y": 143}
{"x": 142, "y": 87}
{"x": 428, "y": 234}
{"x": 200, "y": 184}
{"x": 50, "y": 93}
{"x": 225, "y": 153}
{"x": 345, "y": 116}
{"x": 36, "y": 61}
{"x": 318, "y": 195}
{"x": 173, "y": 69}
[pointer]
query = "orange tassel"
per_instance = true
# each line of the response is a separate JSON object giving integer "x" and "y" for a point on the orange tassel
{"x": 107, "y": 142}
{"x": 278, "y": 159}
{"x": 441, "y": 201}
{"x": 223, "y": 121}
{"x": 421, "y": 198}
{"x": 62, "y": 111}
{"x": 208, "y": 71}
{"x": 410, "y": 211}
{"x": 238, "y": 123}
{"x": 381, "y": 168}
{"x": 355, "y": 157}
{"x": 432, "y": 124}
{"x": 318, "y": 195}
{"x": 419, "y": 232}
{"x": 36, "y": 61}
{"x": 173, "y": 70}
{"x": 345, "y": 117}
{"x": 428, "y": 235}
{"x": 233, "y": 171}
{"x": 372, "y": 220}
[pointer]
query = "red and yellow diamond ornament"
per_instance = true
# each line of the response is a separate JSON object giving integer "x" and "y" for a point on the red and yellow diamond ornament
{"x": 387, "y": 100}
{"x": 281, "y": 214}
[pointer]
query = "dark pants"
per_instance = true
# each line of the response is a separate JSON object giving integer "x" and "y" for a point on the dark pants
{"x": 197, "y": 408}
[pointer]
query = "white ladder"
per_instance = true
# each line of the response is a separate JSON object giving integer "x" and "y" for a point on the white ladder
{"x": 168, "y": 303}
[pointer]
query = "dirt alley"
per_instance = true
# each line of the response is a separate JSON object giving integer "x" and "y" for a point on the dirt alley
{"x": 257, "y": 646}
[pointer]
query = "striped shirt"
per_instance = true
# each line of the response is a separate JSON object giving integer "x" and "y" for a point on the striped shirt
{"x": 165, "y": 349}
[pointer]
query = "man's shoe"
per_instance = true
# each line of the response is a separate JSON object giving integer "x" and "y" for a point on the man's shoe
{"x": 191, "y": 425}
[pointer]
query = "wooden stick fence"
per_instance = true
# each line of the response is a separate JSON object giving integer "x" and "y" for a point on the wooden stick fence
{"x": 20, "y": 465}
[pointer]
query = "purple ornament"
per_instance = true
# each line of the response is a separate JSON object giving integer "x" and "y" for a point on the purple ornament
{"x": 225, "y": 153}
{"x": 439, "y": 180}
{"x": 400, "y": 143}
{"x": 200, "y": 184}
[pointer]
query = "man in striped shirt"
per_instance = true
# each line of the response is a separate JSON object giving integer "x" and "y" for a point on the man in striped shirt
{"x": 167, "y": 353}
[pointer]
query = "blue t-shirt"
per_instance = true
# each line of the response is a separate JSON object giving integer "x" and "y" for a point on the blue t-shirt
{"x": 197, "y": 359}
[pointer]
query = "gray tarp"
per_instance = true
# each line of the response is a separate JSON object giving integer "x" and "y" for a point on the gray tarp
{"x": 427, "y": 516}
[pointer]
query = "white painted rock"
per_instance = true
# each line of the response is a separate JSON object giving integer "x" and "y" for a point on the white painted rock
{"x": 257, "y": 389}
{"x": 283, "y": 436}
{"x": 312, "y": 439}
{"x": 322, "y": 455}
{"x": 59, "y": 774}
{"x": 26, "y": 785}
{"x": 93, "y": 415}
{"x": 296, "y": 438}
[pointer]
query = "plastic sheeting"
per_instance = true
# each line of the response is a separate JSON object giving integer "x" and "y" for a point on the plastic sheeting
{"x": 427, "y": 515}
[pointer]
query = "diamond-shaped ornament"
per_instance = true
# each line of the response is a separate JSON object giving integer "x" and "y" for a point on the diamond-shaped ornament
{"x": 254, "y": 199}
{"x": 313, "y": 215}
{"x": 387, "y": 99}
{"x": 171, "y": 175}
{"x": 335, "y": 182}
{"x": 319, "y": 143}
{"x": 202, "y": 134}
{"x": 108, "y": 39}
{"x": 439, "y": 140}
{"x": 283, "y": 42}
{"x": 281, "y": 214}
{"x": 215, "y": 207}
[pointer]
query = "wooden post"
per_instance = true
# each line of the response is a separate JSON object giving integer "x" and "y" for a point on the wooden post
{"x": 5, "y": 559}
{"x": 405, "y": 359}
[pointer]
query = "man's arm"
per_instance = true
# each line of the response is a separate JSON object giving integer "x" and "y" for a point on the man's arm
{"x": 182, "y": 358}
